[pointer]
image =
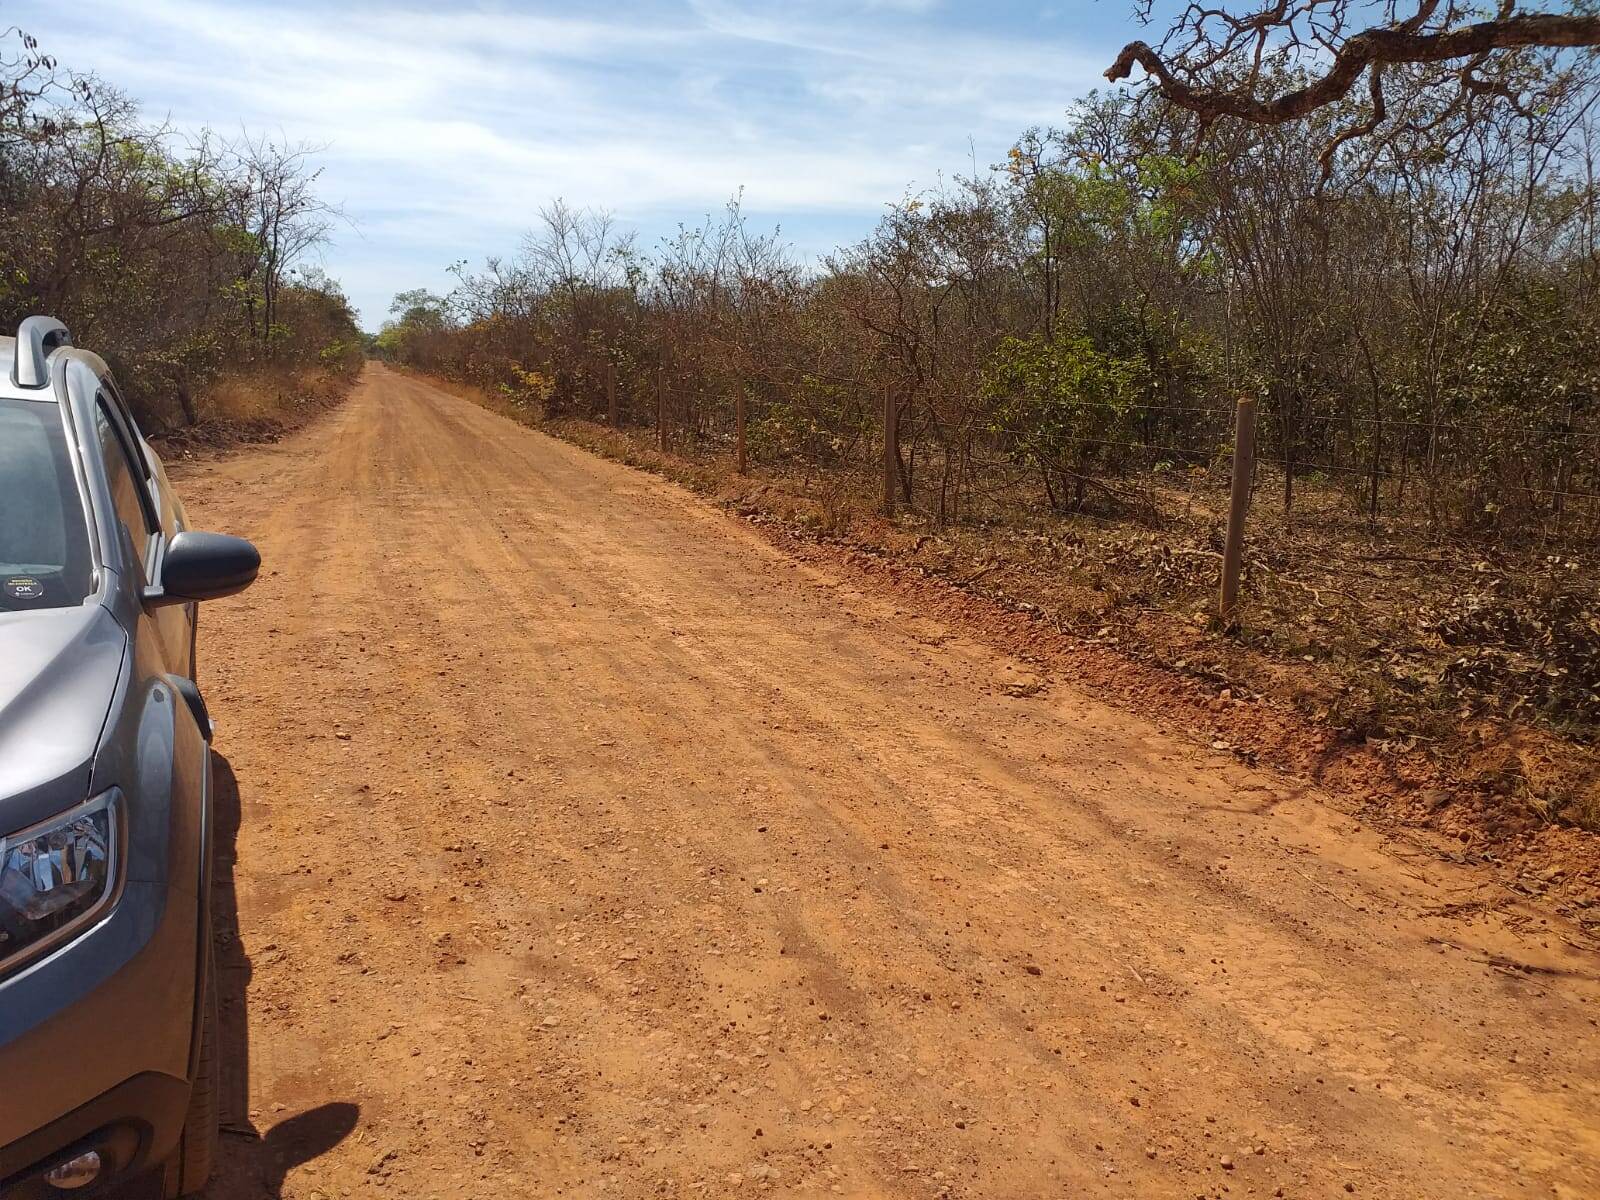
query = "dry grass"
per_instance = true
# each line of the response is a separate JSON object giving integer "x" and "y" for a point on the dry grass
{"x": 258, "y": 405}
{"x": 270, "y": 394}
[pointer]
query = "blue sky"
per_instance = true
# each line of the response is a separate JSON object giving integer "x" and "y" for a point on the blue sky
{"x": 448, "y": 126}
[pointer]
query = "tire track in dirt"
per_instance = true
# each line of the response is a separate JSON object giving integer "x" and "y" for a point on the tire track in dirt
{"x": 593, "y": 847}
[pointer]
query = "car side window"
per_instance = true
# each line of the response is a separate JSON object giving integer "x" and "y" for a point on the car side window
{"x": 113, "y": 398}
{"x": 164, "y": 507}
{"x": 129, "y": 497}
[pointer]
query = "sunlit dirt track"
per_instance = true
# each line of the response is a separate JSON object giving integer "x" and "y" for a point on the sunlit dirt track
{"x": 587, "y": 845}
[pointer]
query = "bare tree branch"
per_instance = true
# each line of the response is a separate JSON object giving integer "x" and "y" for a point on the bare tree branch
{"x": 1396, "y": 43}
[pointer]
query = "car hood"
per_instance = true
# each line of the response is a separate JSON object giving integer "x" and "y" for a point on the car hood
{"x": 58, "y": 674}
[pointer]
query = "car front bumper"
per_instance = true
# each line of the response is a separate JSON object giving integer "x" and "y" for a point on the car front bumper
{"x": 96, "y": 1043}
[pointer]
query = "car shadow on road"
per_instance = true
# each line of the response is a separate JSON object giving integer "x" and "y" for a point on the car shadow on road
{"x": 250, "y": 1163}
{"x": 254, "y": 1168}
{"x": 231, "y": 959}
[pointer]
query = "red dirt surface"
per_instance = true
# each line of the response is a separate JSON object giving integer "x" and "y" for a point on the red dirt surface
{"x": 590, "y": 844}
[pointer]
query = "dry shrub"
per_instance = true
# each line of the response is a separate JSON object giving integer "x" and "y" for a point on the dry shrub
{"x": 268, "y": 394}
{"x": 1584, "y": 810}
{"x": 257, "y": 405}
{"x": 836, "y": 508}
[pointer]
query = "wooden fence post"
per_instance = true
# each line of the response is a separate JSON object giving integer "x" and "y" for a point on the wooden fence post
{"x": 611, "y": 394}
{"x": 738, "y": 417}
{"x": 891, "y": 452}
{"x": 661, "y": 411}
{"x": 1244, "y": 449}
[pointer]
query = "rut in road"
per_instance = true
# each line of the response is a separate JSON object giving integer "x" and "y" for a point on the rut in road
{"x": 591, "y": 846}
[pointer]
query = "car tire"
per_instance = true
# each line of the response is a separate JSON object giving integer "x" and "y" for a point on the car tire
{"x": 188, "y": 1167}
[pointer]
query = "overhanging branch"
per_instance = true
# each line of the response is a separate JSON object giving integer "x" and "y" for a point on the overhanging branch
{"x": 1373, "y": 47}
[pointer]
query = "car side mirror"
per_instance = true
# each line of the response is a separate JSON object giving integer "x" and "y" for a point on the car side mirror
{"x": 204, "y": 566}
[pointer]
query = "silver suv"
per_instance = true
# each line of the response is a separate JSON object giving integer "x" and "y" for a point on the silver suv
{"x": 107, "y": 1003}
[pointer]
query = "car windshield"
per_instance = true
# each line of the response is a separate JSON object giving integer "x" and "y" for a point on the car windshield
{"x": 44, "y": 535}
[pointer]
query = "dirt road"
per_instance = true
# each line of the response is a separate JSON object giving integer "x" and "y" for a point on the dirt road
{"x": 589, "y": 846}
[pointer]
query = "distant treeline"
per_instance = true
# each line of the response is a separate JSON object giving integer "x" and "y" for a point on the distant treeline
{"x": 1420, "y": 327}
{"x": 176, "y": 259}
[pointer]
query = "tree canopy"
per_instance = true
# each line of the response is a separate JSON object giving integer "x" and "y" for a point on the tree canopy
{"x": 173, "y": 256}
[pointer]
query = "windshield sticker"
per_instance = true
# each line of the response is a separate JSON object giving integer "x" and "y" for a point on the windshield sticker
{"x": 22, "y": 587}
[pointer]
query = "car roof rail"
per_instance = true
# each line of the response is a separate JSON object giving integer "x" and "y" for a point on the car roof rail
{"x": 36, "y": 338}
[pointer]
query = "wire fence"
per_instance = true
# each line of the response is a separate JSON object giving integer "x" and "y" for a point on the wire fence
{"x": 1439, "y": 455}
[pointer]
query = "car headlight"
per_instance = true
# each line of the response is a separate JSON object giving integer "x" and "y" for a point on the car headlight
{"x": 55, "y": 876}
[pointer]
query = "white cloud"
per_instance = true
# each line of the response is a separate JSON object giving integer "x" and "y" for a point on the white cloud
{"x": 446, "y": 129}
